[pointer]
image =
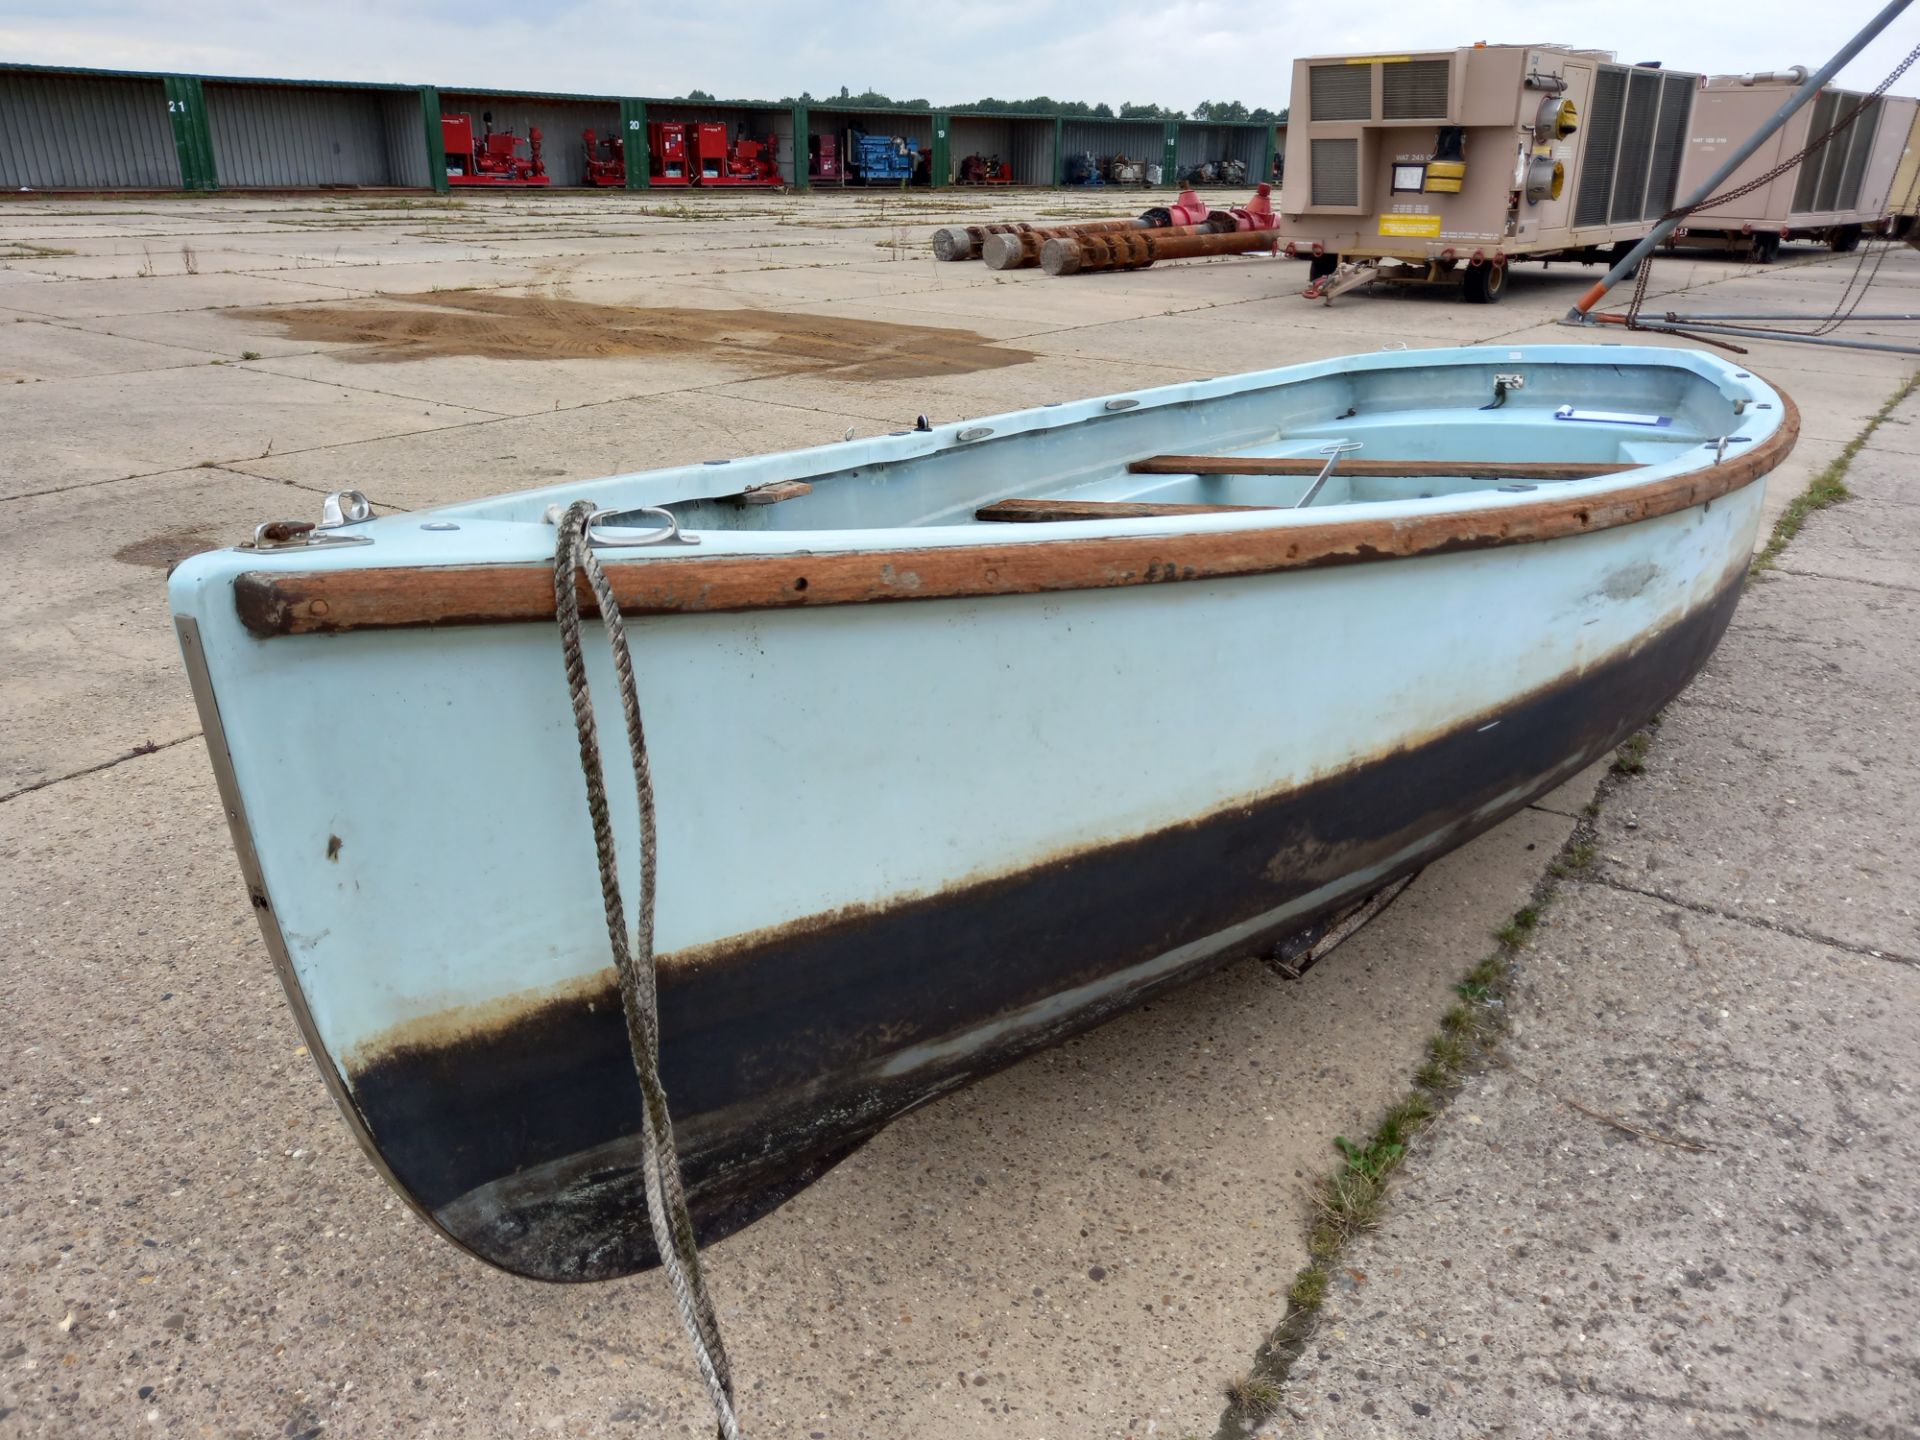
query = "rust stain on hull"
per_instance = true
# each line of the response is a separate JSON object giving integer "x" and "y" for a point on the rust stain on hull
{"x": 784, "y": 1050}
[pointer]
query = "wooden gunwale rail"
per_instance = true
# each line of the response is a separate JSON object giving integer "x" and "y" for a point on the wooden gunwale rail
{"x": 274, "y": 603}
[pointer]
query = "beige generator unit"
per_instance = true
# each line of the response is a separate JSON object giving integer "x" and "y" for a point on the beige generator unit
{"x": 1904, "y": 199}
{"x": 1456, "y": 163}
{"x": 1843, "y": 189}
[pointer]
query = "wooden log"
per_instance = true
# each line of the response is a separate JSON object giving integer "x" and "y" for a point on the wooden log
{"x": 1017, "y": 250}
{"x": 1135, "y": 250}
{"x": 1044, "y": 510}
{"x": 1392, "y": 469}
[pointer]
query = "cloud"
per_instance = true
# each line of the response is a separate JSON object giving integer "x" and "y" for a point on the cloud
{"x": 1174, "y": 53}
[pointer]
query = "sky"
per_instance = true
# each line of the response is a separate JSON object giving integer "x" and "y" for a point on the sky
{"x": 1171, "y": 52}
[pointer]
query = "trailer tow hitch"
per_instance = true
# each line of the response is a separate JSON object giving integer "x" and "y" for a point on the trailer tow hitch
{"x": 1349, "y": 276}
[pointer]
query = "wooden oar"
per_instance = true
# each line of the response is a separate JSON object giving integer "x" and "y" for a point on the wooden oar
{"x": 1043, "y": 510}
{"x": 1396, "y": 469}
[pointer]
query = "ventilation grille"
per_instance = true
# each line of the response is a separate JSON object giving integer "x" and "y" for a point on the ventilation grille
{"x": 1669, "y": 144}
{"x": 1636, "y": 136}
{"x": 1414, "y": 90}
{"x": 1807, "y": 186}
{"x": 1341, "y": 92}
{"x": 1636, "y": 146}
{"x": 1336, "y": 172}
{"x": 1858, "y": 147}
{"x": 1834, "y": 162}
{"x": 1603, "y": 146}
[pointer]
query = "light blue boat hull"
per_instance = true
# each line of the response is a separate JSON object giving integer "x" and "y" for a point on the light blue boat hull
{"x": 904, "y": 843}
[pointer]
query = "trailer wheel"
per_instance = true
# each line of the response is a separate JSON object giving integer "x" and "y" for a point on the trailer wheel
{"x": 1322, "y": 266}
{"x": 1766, "y": 248}
{"x": 1484, "y": 284}
{"x": 1844, "y": 238}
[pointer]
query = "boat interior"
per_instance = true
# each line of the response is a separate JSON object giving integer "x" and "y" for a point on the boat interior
{"x": 1356, "y": 437}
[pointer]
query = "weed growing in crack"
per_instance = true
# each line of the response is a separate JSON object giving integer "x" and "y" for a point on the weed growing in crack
{"x": 1478, "y": 983}
{"x": 1253, "y": 1393}
{"x": 1631, "y": 757}
{"x": 1577, "y": 857}
{"x": 1353, "y": 1198}
{"x": 1514, "y": 933}
{"x": 1827, "y": 488}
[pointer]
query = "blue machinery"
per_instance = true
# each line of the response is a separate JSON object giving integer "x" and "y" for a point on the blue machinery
{"x": 883, "y": 157}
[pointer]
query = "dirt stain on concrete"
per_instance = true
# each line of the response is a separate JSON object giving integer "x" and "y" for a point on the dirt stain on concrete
{"x": 523, "y": 327}
{"x": 163, "y": 552}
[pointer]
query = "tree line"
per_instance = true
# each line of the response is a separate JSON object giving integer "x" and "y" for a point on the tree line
{"x": 1219, "y": 111}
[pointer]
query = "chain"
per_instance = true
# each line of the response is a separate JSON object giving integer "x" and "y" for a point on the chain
{"x": 1812, "y": 147}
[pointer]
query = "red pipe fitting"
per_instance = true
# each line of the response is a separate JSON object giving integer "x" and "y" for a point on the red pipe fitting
{"x": 1188, "y": 209}
{"x": 1259, "y": 210}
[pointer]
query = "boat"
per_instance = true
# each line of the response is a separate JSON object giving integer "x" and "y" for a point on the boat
{"x": 964, "y": 738}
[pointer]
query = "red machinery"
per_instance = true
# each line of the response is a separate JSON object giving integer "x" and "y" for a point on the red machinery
{"x": 751, "y": 162}
{"x": 494, "y": 160}
{"x": 606, "y": 160}
{"x": 744, "y": 162}
{"x": 667, "y": 153}
{"x": 707, "y": 144}
{"x": 983, "y": 170}
{"x": 823, "y": 157}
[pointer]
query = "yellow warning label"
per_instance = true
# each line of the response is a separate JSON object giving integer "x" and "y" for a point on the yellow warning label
{"x": 1378, "y": 59}
{"x": 1409, "y": 225}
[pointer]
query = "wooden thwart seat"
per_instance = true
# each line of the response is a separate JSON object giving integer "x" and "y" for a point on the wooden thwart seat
{"x": 1046, "y": 510}
{"x": 772, "y": 493}
{"x": 1393, "y": 469}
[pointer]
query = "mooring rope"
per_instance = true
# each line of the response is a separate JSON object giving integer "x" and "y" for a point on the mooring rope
{"x": 667, "y": 1213}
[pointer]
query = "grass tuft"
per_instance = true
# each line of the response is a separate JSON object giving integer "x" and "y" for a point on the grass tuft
{"x": 1825, "y": 489}
{"x": 1405, "y": 1117}
{"x": 1309, "y": 1288}
{"x": 1631, "y": 757}
{"x": 1578, "y": 856}
{"x": 1514, "y": 933}
{"x": 1253, "y": 1395}
{"x": 1448, "y": 1050}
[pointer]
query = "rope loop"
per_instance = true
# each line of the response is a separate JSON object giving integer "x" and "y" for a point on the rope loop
{"x": 667, "y": 1213}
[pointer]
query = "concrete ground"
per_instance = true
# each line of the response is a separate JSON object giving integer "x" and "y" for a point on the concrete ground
{"x": 1090, "y": 1244}
{"x": 1739, "y": 967}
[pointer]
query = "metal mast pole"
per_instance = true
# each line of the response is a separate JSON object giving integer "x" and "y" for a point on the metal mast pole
{"x": 1578, "y": 314}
